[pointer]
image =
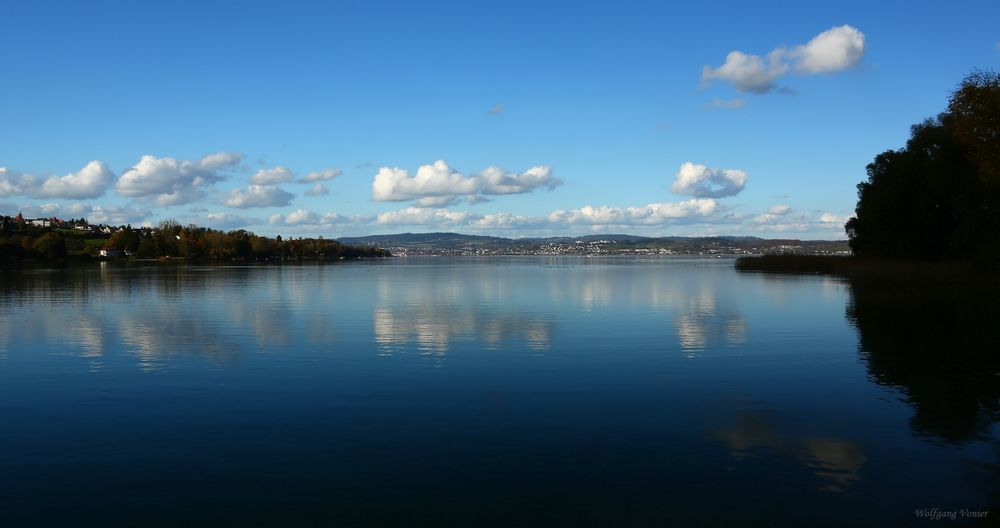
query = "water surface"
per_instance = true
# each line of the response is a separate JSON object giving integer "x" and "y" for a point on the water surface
{"x": 463, "y": 391}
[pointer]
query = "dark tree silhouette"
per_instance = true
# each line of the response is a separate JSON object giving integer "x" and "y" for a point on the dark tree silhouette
{"x": 940, "y": 195}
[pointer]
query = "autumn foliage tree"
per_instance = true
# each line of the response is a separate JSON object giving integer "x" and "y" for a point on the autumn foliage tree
{"x": 939, "y": 197}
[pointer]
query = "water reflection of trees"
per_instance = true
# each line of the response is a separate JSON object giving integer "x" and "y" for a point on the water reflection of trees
{"x": 938, "y": 343}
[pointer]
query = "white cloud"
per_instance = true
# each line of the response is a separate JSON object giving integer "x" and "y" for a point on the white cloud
{"x": 505, "y": 221}
{"x": 748, "y": 73}
{"x": 703, "y": 182}
{"x": 75, "y": 210}
{"x": 301, "y": 217}
{"x": 436, "y": 180}
{"x": 226, "y": 221}
{"x": 272, "y": 176}
{"x": 167, "y": 181}
{"x": 323, "y": 175}
{"x": 258, "y": 196}
{"x": 652, "y": 214}
{"x": 113, "y": 215}
{"x": 423, "y": 216}
{"x": 15, "y": 184}
{"x": 498, "y": 181}
{"x": 730, "y": 104}
{"x": 437, "y": 184}
{"x": 832, "y": 219}
{"x": 833, "y": 50}
{"x": 318, "y": 190}
{"x": 91, "y": 181}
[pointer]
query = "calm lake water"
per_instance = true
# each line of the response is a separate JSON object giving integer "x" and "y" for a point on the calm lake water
{"x": 497, "y": 391}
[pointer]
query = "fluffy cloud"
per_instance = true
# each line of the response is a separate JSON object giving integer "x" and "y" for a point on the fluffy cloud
{"x": 318, "y": 190}
{"x": 652, "y": 214}
{"x": 505, "y": 221}
{"x": 167, "y": 181}
{"x": 748, "y": 73}
{"x": 272, "y": 176}
{"x": 327, "y": 174}
{"x": 258, "y": 196}
{"x": 226, "y": 221}
{"x": 704, "y": 182}
{"x": 301, "y": 217}
{"x": 112, "y": 215}
{"x": 423, "y": 216}
{"x": 437, "y": 184}
{"x": 833, "y": 50}
{"x": 91, "y": 181}
{"x": 830, "y": 219}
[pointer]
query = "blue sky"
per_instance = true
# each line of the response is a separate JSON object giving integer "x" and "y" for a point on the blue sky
{"x": 519, "y": 119}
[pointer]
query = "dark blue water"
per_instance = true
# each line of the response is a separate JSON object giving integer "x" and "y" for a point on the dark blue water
{"x": 433, "y": 391}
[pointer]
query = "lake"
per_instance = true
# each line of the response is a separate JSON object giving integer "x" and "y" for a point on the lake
{"x": 494, "y": 391}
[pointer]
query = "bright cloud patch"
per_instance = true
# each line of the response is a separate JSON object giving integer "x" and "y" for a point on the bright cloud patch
{"x": 112, "y": 215}
{"x": 704, "y": 182}
{"x": 226, "y": 221}
{"x": 91, "y": 181}
{"x": 504, "y": 221}
{"x": 303, "y": 217}
{"x": 833, "y": 50}
{"x": 258, "y": 196}
{"x": 652, "y": 214}
{"x": 423, "y": 216}
{"x": 832, "y": 219}
{"x": 272, "y": 176}
{"x": 324, "y": 175}
{"x": 167, "y": 181}
{"x": 748, "y": 73}
{"x": 437, "y": 184}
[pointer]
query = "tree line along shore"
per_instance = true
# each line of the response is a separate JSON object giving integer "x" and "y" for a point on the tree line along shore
{"x": 54, "y": 240}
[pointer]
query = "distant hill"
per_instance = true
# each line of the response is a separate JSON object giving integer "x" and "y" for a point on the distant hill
{"x": 428, "y": 240}
{"x": 456, "y": 243}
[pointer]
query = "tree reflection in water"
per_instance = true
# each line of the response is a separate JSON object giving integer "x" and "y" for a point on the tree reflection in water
{"x": 938, "y": 343}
